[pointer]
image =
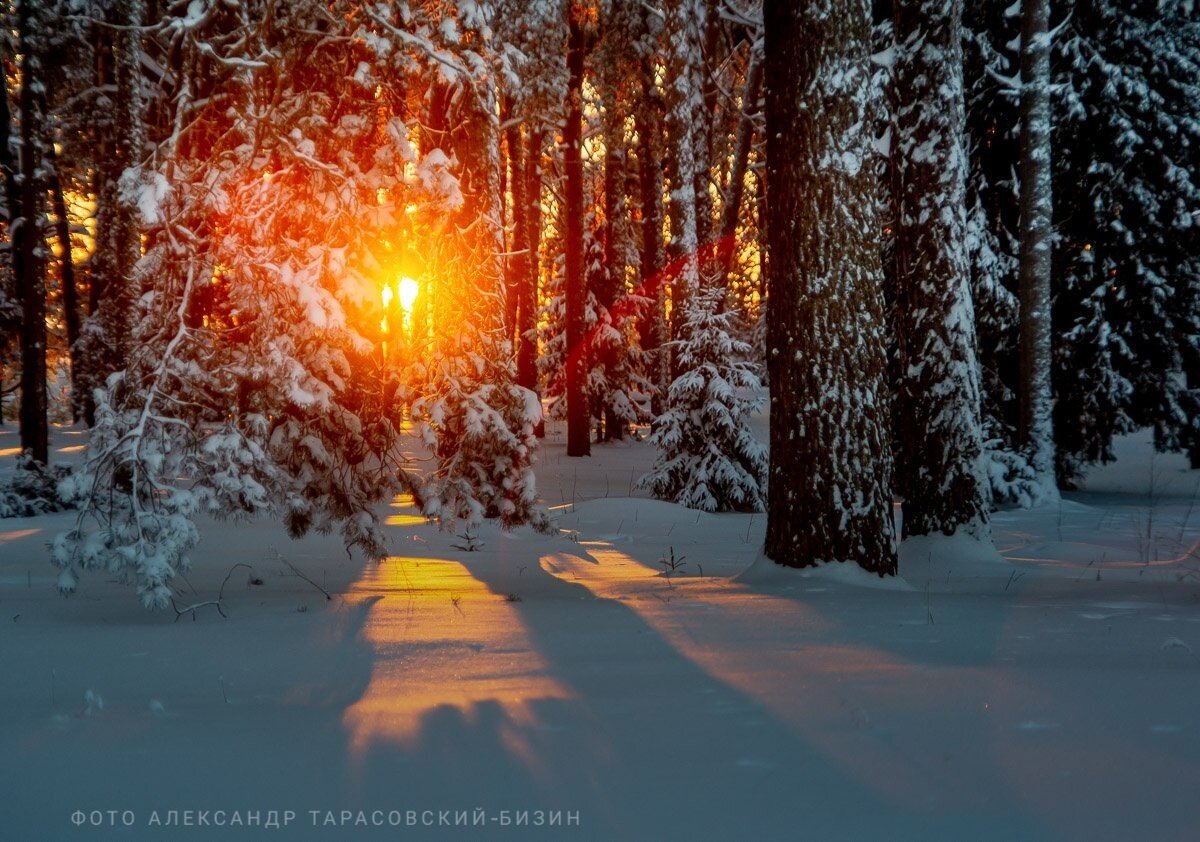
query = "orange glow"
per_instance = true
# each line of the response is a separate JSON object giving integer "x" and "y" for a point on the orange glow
{"x": 408, "y": 290}
{"x": 437, "y": 608}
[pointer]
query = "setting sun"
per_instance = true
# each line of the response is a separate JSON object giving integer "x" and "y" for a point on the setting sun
{"x": 408, "y": 290}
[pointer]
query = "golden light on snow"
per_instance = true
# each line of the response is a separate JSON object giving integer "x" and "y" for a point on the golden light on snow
{"x": 437, "y": 609}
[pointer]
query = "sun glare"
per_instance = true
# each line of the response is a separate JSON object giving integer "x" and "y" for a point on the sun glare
{"x": 408, "y": 290}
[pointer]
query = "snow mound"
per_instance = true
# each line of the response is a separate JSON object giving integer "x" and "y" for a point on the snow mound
{"x": 946, "y": 562}
{"x": 766, "y": 573}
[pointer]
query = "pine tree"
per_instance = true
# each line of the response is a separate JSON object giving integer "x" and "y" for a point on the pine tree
{"x": 938, "y": 401}
{"x": 688, "y": 160}
{"x": 104, "y": 339}
{"x": 576, "y": 293}
{"x": 830, "y": 464}
{"x": 1036, "y": 428}
{"x": 1127, "y": 217}
{"x": 28, "y": 242}
{"x": 260, "y": 369}
{"x": 707, "y": 457}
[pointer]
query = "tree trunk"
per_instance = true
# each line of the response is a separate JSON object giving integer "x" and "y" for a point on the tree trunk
{"x": 731, "y": 213}
{"x": 578, "y": 413}
{"x": 12, "y": 192}
{"x": 70, "y": 293}
{"x": 650, "y": 183}
{"x": 938, "y": 392}
{"x": 685, "y": 122}
{"x": 830, "y": 463}
{"x": 527, "y": 291}
{"x": 518, "y": 260}
{"x": 1036, "y": 429}
{"x": 35, "y": 432}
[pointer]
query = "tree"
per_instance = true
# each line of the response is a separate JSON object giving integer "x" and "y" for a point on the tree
{"x": 1127, "y": 270}
{"x": 103, "y": 346}
{"x": 938, "y": 400}
{"x": 1036, "y": 429}
{"x": 830, "y": 464}
{"x": 579, "y": 442}
{"x": 28, "y": 242}
{"x": 707, "y": 457}
{"x": 688, "y": 160}
{"x": 259, "y": 369}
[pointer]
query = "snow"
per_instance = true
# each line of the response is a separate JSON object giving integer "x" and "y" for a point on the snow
{"x": 1045, "y": 693}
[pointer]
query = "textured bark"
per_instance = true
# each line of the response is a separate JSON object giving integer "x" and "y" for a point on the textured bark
{"x": 104, "y": 343}
{"x": 830, "y": 463}
{"x": 731, "y": 212}
{"x": 685, "y": 121}
{"x": 511, "y": 184}
{"x": 938, "y": 400}
{"x": 650, "y": 184}
{"x": 578, "y": 412}
{"x": 518, "y": 260}
{"x": 70, "y": 292}
{"x": 1036, "y": 428}
{"x": 528, "y": 288}
{"x": 31, "y": 283}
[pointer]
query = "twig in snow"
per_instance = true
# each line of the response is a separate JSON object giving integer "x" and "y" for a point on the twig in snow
{"x": 297, "y": 571}
{"x": 219, "y": 602}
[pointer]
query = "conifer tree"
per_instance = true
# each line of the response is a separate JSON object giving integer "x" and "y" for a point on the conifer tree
{"x": 830, "y": 465}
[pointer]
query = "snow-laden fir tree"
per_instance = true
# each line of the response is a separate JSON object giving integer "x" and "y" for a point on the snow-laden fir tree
{"x": 829, "y": 484}
{"x": 258, "y": 381}
{"x": 472, "y": 414}
{"x": 1127, "y": 263}
{"x": 707, "y": 456}
{"x": 938, "y": 401}
{"x": 1124, "y": 139}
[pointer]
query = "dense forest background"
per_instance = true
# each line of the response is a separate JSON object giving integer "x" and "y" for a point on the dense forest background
{"x": 253, "y": 242}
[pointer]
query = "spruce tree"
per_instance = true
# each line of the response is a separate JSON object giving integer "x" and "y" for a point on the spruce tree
{"x": 707, "y": 457}
{"x": 938, "y": 403}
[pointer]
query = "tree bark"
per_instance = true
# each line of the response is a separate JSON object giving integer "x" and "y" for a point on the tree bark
{"x": 830, "y": 464}
{"x": 731, "y": 212}
{"x": 938, "y": 398}
{"x": 527, "y": 291}
{"x": 518, "y": 260}
{"x": 35, "y": 432}
{"x": 578, "y": 413}
{"x": 70, "y": 292}
{"x": 650, "y": 183}
{"x": 1036, "y": 429}
{"x": 685, "y": 121}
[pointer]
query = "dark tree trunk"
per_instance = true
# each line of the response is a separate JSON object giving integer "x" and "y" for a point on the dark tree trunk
{"x": 830, "y": 466}
{"x": 578, "y": 413}
{"x": 938, "y": 400}
{"x": 518, "y": 260}
{"x": 70, "y": 293}
{"x": 527, "y": 291}
{"x": 511, "y": 184}
{"x": 647, "y": 121}
{"x": 1036, "y": 429}
{"x": 731, "y": 213}
{"x": 35, "y": 432}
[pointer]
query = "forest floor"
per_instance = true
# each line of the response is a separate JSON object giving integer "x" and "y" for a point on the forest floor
{"x": 1052, "y": 693}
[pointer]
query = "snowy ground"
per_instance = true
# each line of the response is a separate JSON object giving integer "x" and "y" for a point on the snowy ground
{"x": 1051, "y": 695}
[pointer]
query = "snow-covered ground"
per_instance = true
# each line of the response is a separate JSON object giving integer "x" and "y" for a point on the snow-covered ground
{"x": 1048, "y": 694}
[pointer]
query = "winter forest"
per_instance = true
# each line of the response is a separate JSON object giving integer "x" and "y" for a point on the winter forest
{"x": 600, "y": 419}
